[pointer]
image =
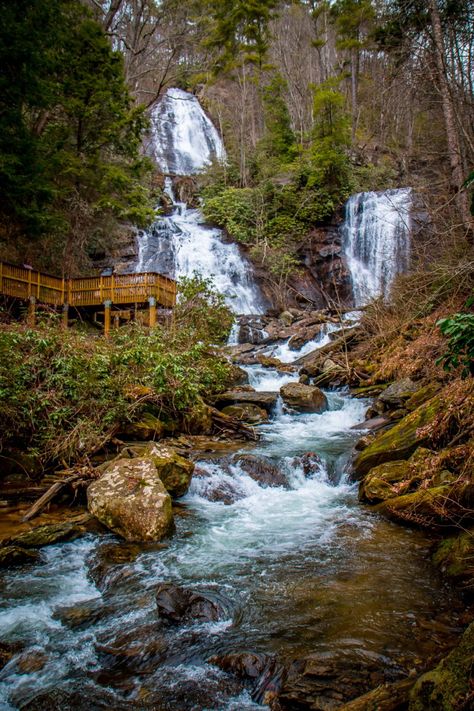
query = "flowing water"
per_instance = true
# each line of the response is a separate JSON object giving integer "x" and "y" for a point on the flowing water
{"x": 181, "y": 245}
{"x": 184, "y": 141}
{"x": 376, "y": 236}
{"x": 304, "y": 570}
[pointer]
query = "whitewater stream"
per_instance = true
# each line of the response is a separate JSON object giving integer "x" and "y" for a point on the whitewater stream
{"x": 304, "y": 570}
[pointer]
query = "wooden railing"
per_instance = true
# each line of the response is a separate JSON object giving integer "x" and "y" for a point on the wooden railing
{"x": 22, "y": 283}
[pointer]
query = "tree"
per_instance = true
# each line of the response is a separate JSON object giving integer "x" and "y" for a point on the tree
{"x": 69, "y": 135}
{"x": 351, "y": 19}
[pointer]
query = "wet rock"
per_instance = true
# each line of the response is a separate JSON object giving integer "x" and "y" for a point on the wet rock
{"x": 130, "y": 499}
{"x": 105, "y": 564}
{"x": 386, "y": 697}
{"x": 238, "y": 376}
{"x": 304, "y": 397}
{"x": 247, "y": 412}
{"x": 264, "y": 670}
{"x": 261, "y": 469}
{"x": 48, "y": 534}
{"x": 221, "y": 490}
{"x": 138, "y": 651}
{"x": 308, "y": 463}
{"x": 248, "y": 665}
{"x": 148, "y": 428}
{"x": 176, "y": 604}
{"x": 271, "y": 362}
{"x": 449, "y": 685}
{"x": 322, "y": 683}
{"x": 32, "y": 661}
{"x": 82, "y": 615}
{"x": 304, "y": 379}
{"x": 15, "y": 555}
{"x": 304, "y": 335}
{"x": 400, "y": 441}
{"x": 80, "y": 699}
{"x": 378, "y": 484}
{"x": 8, "y": 650}
{"x": 266, "y": 400}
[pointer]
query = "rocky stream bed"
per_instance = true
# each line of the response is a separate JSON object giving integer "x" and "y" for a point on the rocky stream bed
{"x": 278, "y": 587}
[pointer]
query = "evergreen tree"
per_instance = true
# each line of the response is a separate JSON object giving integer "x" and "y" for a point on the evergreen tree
{"x": 69, "y": 135}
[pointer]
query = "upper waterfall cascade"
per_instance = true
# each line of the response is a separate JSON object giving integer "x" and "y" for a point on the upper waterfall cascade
{"x": 184, "y": 142}
{"x": 376, "y": 235}
{"x": 184, "y": 139}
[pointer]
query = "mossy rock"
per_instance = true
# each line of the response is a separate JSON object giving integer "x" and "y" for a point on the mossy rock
{"x": 455, "y": 557}
{"x": 378, "y": 484}
{"x": 146, "y": 429}
{"x": 48, "y": 534}
{"x": 400, "y": 441}
{"x": 198, "y": 419}
{"x": 174, "y": 470}
{"x": 424, "y": 507}
{"x": 421, "y": 396}
{"x": 448, "y": 686}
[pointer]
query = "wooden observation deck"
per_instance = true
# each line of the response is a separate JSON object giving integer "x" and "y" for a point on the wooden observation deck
{"x": 117, "y": 290}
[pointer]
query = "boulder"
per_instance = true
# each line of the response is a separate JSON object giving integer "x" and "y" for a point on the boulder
{"x": 266, "y": 400}
{"x": 304, "y": 397}
{"x": 287, "y": 318}
{"x": 400, "y": 441}
{"x": 176, "y": 604}
{"x": 425, "y": 507}
{"x": 449, "y": 685}
{"x": 131, "y": 500}
{"x": 8, "y": 650}
{"x": 237, "y": 375}
{"x": 378, "y": 484}
{"x": 261, "y": 469}
{"x": 247, "y": 412}
{"x": 421, "y": 396}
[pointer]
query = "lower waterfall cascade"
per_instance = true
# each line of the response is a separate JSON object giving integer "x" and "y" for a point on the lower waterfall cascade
{"x": 376, "y": 237}
{"x": 181, "y": 244}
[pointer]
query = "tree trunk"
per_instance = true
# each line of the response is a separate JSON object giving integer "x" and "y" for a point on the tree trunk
{"x": 354, "y": 76}
{"x": 452, "y": 136}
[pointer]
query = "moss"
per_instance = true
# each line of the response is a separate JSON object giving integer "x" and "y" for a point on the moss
{"x": 448, "y": 686}
{"x": 421, "y": 396}
{"x": 378, "y": 485}
{"x": 455, "y": 557}
{"x": 400, "y": 441}
{"x": 424, "y": 507}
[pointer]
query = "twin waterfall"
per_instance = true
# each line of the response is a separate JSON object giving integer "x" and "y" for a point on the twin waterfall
{"x": 184, "y": 141}
{"x": 376, "y": 237}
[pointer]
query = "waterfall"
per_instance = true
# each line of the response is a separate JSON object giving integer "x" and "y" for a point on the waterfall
{"x": 184, "y": 142}
{"x": 376, "y": 236}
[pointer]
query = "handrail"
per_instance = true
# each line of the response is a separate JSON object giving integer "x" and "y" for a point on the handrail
{"x": 24, "y": 283}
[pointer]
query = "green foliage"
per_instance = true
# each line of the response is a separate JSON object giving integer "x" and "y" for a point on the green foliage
{"x": 201, "y": 313}
{"x": 459, "y": 329}
{"x": 69, "y": 135}
{"x": 278, "y": 141}
{"x": 238, "y": 30}
{"x": 63, "y": 394}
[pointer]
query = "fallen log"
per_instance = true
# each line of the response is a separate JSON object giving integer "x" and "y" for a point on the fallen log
{"x": 39, "y": 505}
{"x": 225, "y": 423}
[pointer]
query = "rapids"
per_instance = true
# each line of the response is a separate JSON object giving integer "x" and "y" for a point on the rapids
{"x": 305, "y": 570}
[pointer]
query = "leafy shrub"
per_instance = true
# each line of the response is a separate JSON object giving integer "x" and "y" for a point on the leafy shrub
{"x": 459, "y": 329}
{"x": 63, "y": 394}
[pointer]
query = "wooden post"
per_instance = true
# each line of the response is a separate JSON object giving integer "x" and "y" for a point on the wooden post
{"x": 107, "y": 307}
{"x": 31, "y": 318}
{"x": 152, "y": 302}
{"x": 65, "y": 317}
